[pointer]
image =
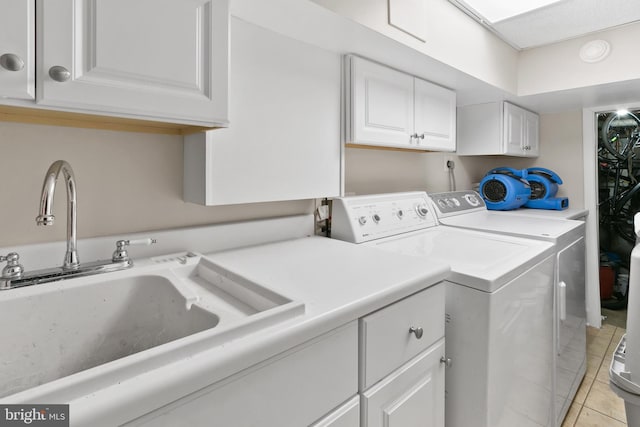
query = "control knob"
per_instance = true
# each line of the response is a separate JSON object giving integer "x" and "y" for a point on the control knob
{"x": 376, "y": 218}
{"x": 472, "y": 199}
{"x": 362, "y": 220}
{"x": 400, "y": 214}
{"x": 422, "y": 210}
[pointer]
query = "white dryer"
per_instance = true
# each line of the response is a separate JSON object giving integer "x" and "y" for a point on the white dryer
{"x": 466, "y": 209}
{"x": 499, "y": 298}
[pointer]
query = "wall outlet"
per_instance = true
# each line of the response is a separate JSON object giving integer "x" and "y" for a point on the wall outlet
{"x": 447, "y": 159}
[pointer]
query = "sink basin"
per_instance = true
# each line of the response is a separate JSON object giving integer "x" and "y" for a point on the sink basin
{"x": 55, "y": 330}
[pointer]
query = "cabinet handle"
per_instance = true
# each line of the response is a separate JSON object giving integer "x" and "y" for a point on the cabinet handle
{"x": 59, "y": 74}
{"x": 11, "y": 62}
{"x": 416, "y": 331}
{"x": 416, "y": 137}
{"x": 447, "y": 362}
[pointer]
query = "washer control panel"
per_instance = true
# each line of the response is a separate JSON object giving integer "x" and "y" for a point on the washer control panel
{"x": 360, "y": 219}
{"x": 456, "y": 202}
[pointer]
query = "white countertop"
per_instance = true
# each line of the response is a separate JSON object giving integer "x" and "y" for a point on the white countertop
{"x": 338, "y": 283}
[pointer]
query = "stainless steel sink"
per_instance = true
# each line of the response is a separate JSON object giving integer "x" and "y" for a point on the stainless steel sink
{"x": 56, "y": 330}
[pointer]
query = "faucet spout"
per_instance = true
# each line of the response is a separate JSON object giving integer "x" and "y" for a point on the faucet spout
{"x": 45, "y": 216}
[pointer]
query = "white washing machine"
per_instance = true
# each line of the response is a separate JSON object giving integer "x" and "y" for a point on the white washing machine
{"x": 499, "y": 296}
{"x": 466, "y": 209}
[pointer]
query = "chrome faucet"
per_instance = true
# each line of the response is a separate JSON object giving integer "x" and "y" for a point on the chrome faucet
{"x": 13, "y": 274}
{"x": 71, "y": 261}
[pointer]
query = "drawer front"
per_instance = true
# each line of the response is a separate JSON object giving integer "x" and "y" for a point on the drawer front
{"x": 385, "y": 338}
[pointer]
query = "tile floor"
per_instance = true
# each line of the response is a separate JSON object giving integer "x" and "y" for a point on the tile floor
{"x": 595, "y": 405}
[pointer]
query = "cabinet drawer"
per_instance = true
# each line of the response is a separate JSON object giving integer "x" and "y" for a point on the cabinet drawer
{"x": 385, "y": 338}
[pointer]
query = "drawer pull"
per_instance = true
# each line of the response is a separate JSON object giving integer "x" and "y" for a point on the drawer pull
{"x": 447, "y": 362}
{"x": 416, "y": 331}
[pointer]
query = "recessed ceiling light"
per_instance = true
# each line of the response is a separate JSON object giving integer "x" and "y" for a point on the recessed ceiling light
{"x": 499, "y": 10}
{"x": 595, "y": 51}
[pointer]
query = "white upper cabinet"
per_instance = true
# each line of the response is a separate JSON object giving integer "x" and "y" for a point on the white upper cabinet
{"x": 17, "y": 49}
{"x": 386, "y": 107}
{"x": 156, "y": 59}
{"x": 532, "y": 134}
{"x": 435, "y": 116}
{"x": 497, "y": 128}
{"x": 514, "y": 129}
{"x": 284, "y": 142}
{"x": 382, "y": 104}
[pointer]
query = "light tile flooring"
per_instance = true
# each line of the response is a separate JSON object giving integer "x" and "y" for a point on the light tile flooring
{"x": 595, "y": 405}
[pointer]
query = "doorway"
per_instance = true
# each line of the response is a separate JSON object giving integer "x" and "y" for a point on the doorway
{"x": 618, "y": 184}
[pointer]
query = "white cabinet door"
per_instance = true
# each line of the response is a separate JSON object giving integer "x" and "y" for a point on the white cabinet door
{"x": 514, "y": 129}
{"x": 156, "y": 59}
{"x": 347, "y": 415}
{"x": 435, "y": 116}
{"x": 532, "y": 137}
{"x": 412, "y": 396}
{"x": 17, "y": 49}
{"x": 381, "y": 105}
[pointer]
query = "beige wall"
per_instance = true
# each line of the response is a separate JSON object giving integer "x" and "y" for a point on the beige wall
{"x": 377, "y": 171}
{"x": 131, "y": 182}
{"x": 559, "y": 67}
{"x": 126, "y": 182}
{"x": 561, "y": 136}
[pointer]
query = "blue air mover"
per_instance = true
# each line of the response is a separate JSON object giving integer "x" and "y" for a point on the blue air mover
{"x": 504, "y": 189}
{"x": 544, "y": 187}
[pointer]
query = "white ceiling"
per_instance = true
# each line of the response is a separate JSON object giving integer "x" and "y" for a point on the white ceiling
{"x": 312, "y": 21}
{"x": 558, "y": 21}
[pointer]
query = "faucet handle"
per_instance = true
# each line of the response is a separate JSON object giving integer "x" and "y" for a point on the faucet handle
{"x": 120, "y": 254}
{"x": 13, "y": 269}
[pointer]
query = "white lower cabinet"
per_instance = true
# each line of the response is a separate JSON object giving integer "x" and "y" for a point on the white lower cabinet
{"x": 293, "y": 389}
{"x": 322, "y": 383}
{"x": 347, "y": 415}
{"x": 412, "y": 396}
{"x": 402, "y": 369}
{"x": 386, "y": 342}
